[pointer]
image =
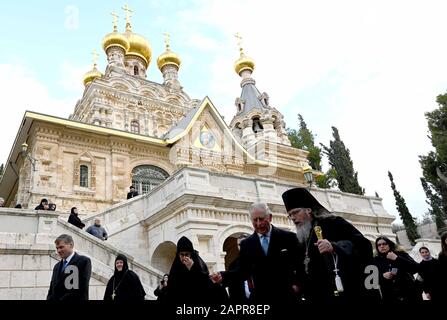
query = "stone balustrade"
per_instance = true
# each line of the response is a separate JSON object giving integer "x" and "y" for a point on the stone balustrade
{"x": 28, "y": 255}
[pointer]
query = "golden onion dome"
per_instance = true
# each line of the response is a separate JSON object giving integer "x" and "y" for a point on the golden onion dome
{"x": 168, "y": 58}
{"x": 115, "y": 39}
{"x": 92, "y": 75}
{"x": 139, "y": 46}
{"x": 244, "y": 63}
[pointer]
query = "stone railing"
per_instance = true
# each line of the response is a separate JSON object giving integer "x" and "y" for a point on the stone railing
{"x": 227, "y": 191}
{"x": 104, "y": 254}
{"x": 28, "y": 231}
{"x": 128, "y": 213}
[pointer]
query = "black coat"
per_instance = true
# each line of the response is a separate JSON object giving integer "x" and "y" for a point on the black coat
{"x": 161, "y": 294}
{"x": 403, "y": 286}
{"x": 236, "y": 288}
{"x": 130, "y": 195}
{"x": 274, "y": 274}
{"x": 74, "y": 220}
{"x": 193, "y": 286}
{"x": 58, "y": 290}
{"x": 128, "y": 287}
{"x": 442, "y": 258}
{"x": 354, "y": 253}
{"x": 430, "y": 274}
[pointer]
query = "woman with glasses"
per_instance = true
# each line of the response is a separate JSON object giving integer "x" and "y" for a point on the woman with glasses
{"x": 396, "y": 270}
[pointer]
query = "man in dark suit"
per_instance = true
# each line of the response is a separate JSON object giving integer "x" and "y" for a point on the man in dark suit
{"x": 239, "y": 291}
{"x": 71, "y": 275}
{"x": 269, "y": 257}
{"x": 132, "y": 193}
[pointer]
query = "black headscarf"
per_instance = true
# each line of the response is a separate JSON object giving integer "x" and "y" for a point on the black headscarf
{"x": 72, "y": 211}
{"x": 194, "y": 285}
{"x": 126, "y": 283}
{"x": 119, "y": 274}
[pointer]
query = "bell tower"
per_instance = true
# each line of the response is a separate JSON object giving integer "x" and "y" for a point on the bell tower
{"x": 255, "y": 120}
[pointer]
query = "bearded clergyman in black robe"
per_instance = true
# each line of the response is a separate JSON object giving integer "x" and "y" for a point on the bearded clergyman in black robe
{"x": 333, "y": 253}
{"x": 124, "y": 285}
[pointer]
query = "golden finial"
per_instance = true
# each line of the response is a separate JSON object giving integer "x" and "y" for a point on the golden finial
{"x": 115, "y": 21}
{"x": 239, "y": 42}
{"x": 318, "y": 232}
{"x": 128, "y": 15}
{"x": 167, "y": 39}
{"x": 95, "y": 58}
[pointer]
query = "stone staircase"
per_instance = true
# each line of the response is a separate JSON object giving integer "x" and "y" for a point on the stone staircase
{"x": 27, "y": 256}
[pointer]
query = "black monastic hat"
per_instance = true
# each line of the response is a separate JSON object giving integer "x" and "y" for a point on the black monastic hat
{"x": 300, "y": 198}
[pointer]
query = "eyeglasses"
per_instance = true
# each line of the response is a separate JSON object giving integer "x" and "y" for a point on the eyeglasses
{"x": 294, "y": 212}
{"x": 379, "y": 244}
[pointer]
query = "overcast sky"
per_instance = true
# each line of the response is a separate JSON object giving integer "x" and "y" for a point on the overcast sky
{"x": 370, "y": 68}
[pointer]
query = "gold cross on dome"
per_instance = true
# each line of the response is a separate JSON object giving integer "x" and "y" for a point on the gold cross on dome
{"x": 95, "y": 57}
{"x": 167, "y": 39}
{"x": 239, "y": 41}
{"x": 115, "y": 20}
{"x": 128, "y": 13}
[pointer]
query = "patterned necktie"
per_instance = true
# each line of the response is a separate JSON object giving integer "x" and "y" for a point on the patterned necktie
{"x": 265, "y": 244}
{"x": 64, "y": 265}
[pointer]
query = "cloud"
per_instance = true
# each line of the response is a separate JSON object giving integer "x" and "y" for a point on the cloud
{"x": 372, "y": 70}
{"x": 22, "y": 91}
{"x": 72, "y": 75}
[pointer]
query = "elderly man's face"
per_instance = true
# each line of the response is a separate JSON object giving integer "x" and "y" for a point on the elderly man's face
{"x": 299, "y": 216}
{"x": 261, "y": 221}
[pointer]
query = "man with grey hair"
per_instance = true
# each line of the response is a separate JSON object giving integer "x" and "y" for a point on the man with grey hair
{"x": 97, "y": 230}
{"x": 71, "y": 275}
{"x": 333, "y": 254}
{"x": 268, "y": 257}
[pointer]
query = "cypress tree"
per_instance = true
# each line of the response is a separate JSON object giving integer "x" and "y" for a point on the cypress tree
{"x": 404, "y": 213}
{"x": 434, "y": 164}
{"x": 340, "y": 160}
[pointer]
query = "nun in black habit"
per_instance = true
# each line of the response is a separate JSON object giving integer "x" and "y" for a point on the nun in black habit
{"x": 189, "y": 280}
{"x": 124, "y": 285}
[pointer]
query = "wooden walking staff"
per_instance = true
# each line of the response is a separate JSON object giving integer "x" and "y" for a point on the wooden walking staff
{"x": 338, "y": 283}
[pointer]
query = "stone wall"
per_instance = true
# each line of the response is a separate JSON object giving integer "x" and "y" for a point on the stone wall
{"x": 209, "y": 207}
{"x": 27, "y": 255}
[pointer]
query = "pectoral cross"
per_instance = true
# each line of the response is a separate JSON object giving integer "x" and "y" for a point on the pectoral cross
{"x": 167, "y": 39}
{"x": 115, "y": 21}
{"x": 113, "y": 295}
{"x": 306, "y": 264}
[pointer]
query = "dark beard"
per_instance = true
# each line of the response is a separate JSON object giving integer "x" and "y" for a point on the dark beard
{"x": 303, "y": 232}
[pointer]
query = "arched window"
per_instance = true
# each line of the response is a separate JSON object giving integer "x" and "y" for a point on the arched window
{"x": 146, "y": 178}
{"x": 83, "y": 174}
{"x": 257, "y": 126}
{"x": 135, "y": 71}
{"x": 135, "y": 127}
{"x": 276, "y": 123}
